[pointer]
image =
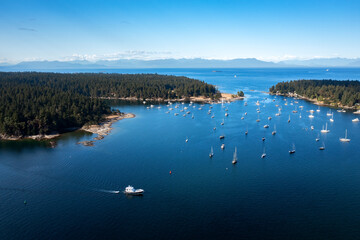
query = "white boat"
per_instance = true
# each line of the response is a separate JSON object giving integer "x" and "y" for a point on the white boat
{"x": 222, "y": 146}
{"x": 274, "y": 132}
{"x": 234, "y": 161}
{"x": 318, "y": 138}
{"x": 292, "y": 151}
{"x": 312, "y": 127}
{"x": 300, "y": 115}
{"x": 222, "y": 137}
{"x": 266, "y": 126}
{"x": 289, "y": 119}
{"x": 223, "y": 122}
{"x": 257, "y": 103}
{"x": 355, "y": 120}
{"x": 325, "y": 130}
{"x": 318, "y": 110}
{"x": 211, "y": 154}
{"x": 311, "y": 111}
{"x": 186, "y": 140}
{"x": 192, "y": 116}
{"x": 311, "y": 116}
{"x": 322, "y": 147}
{"x": 328, "y": 113}
{"x": 226, "y": 114}
{"x": 130, "y": 190}
{"x": 269, "y": 118}
{"x": 242, "y": 118}
{"x": 345, "y": 139}
{"x": 264, "y": 154}
{"x": 332, "y": 118}
{"x": 356, "y": 112}
{"x": 176, "y": 114}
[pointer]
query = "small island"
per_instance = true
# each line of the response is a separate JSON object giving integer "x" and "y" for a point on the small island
{"x": 42, "y": 105}
{"x": 342, "y": 94}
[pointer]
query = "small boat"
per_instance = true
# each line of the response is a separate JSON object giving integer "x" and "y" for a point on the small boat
{"x": 130, "y": 190}
{"x": 266, "y": 126}
{"x": 144, "y": 102}
{"x": 246, "y": 133}
{"x": 167, "y": 112}
{"x": 257, "y": 103}
{"x": 192, "y": 116}
{"x": 318, "y": 138}
{"x": 151, "y": 106}
{"x": 222, "y": 146}
{"x": 264, "y": 154}
{"x": 292, "y": 151}
{"x": 311, "y": 111}
{"x": 263, "y": 138}
{"x": 289, "y": 119}
{"x": 176, "y": 114}
{"x": 355, "y": 120}
{"x": 332, "y": 118}
{"x": 226, "y": 114}
{"x": 184, "y": 115}
{"x": 245, "y": 103}
{"x": 312, "y": 127}
{"x": 328, "y": 113}
{"x": 242, "y": 118}
{"x": 213, "y": 116}
{"x": 234, "y": 161}
{"x": 269, "y": 118}
{"x": 318, "y": 110}
{"x": 211, "y": 154}
{"x": 322, "y": 147}
{"x": 222, "y": 137}
{"x": 325, "y": 130}
{"x": 188, "y": 112}
{"x": 311, "y": 116}
{"x": 345, "y": 139}
{"x": 186, "y": 140}
{"x": 274, "y": 132}
{"x": 214, "y": 128}
{"x": 245, "y": 113}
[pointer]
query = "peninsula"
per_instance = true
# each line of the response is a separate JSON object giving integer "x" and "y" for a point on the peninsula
{"x": 42, "y": 105}
{"x": 343, "y": 94}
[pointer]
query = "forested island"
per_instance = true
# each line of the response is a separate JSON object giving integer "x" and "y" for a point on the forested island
{"x": 329, "y": 92}
{"x": 33, "y": 103}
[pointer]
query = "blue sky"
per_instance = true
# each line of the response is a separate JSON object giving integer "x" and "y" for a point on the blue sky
{"x": 146, "y": 29}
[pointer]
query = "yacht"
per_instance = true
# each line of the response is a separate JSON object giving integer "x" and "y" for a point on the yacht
{"x": 234, "y": 161}
{"x": 325, "y": 130}
{"x": 211, "y": 154}
{"x": 355, "y": 120}
{"x": 345, "y": 139}
{"x": 130, "y": 190}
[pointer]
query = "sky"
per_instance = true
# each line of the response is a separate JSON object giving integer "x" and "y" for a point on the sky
{"x": 270, "y": 30}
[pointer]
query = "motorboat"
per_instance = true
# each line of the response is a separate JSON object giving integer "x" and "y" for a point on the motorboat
{"x": 130, "y": 190}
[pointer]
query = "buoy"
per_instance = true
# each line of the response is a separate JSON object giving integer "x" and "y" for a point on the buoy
{"x": 170, "y": 172}
{"x": 25, "y": 202}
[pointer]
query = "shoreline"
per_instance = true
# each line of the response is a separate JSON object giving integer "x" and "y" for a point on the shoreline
{"x": 199, "y": 99}
{"x": 101, "y": 129}
{"x": 104, "y": 128}
{"x": 313, "y": 101}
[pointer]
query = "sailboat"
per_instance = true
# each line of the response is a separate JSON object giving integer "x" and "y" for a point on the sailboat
{"x": 192, "y": 116}
{"x": 293, "y": 150}
{"x": 300, "y": 115}
{"x": 258, "y": 120}
{"x": 328, "y": 113}
{"x": 211, "y": 154}
{"x": 289, "y": 119}
{"x": 234, "y": 161}
{"x": 274, "y": 132}
{"x": 264, "y": 154}
{"x": 187, "y": 139}
{"x": 325, "y": 130}
{"x": 345, "y": 139}
{"x": 222, "y": 123}
{"x": 226, "y": 114}
{"x": 332, "y": 118}
{"x": 322, "y": 147}
{"x": 295, "y": 111}
{"x": 222, "y": 146}
{"x": 318, "y": 110}
{"x": 266, "y": 126}
{"x": 318, "y": 138}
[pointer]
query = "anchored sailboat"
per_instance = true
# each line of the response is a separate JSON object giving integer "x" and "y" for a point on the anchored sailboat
{"x": 211, "y": 154}
{"x": 234, "y": 161}
{"x": 325, "y": 130}
{"x": 345, "y": 139}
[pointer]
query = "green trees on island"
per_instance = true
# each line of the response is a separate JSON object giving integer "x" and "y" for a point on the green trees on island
{"x": 345, "y": 93}
{"x": 39, "y": 103}
{"x": 240, "y": 93}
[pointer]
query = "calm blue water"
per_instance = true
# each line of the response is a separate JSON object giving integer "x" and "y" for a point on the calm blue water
{"x": 311, "y": 194}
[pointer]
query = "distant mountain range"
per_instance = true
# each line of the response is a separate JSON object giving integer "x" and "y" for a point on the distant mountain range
{"x": 179, "y": 63}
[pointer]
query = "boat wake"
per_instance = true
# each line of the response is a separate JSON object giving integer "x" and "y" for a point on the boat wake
{"x": 107, "y": 191}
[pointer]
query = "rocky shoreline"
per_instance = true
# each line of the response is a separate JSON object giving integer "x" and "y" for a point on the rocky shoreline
{"x": 103, "y": 128}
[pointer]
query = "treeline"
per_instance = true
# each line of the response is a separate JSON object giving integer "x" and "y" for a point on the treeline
{"x": 39, "y": 103}
{"x": 344, "y": 93}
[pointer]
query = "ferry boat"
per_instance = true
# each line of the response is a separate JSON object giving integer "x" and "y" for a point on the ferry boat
{"x": 130, "y": 190}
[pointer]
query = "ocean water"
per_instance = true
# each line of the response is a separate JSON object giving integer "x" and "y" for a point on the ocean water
{"x": 312, "y": 194}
